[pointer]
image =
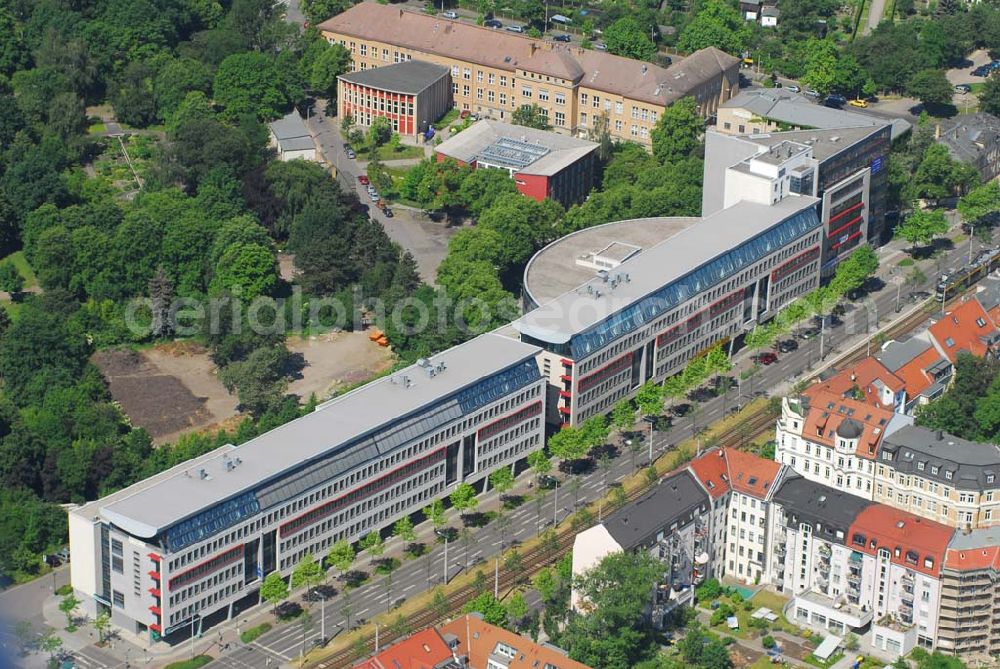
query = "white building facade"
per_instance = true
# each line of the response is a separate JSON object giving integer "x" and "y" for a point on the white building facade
{"x": 191, "y": 546}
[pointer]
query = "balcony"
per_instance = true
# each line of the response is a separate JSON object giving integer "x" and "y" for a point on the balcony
{"x": 156, "y": 610}
{"x": 780, "y": 550}
{"x": 825, "y": 550}
{"x": 155, "y": 575}
{"x": 908, "y": 578}
{"x": 855, "y": 557}
{"x": 155, "y": 592}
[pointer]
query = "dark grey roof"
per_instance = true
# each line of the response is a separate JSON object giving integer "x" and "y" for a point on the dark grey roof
{"x": 780, "y": 104}
{"x": 989, "y": 293}
{"x": 899, "y": 353}
{"x": 826, "y": 509}
{"x": 849, "y": 429}
{"x": 674, "y": 500}
{"x": 289, "y": 126}
{"x": 943, "y": 457}
{"x": 412, "y": 77}
{"x": 969, "y": 135}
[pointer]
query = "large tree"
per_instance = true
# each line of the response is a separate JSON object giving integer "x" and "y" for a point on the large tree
{"x": 931, "y": 87}
{"x": 531, "y": 116}
{"x": 626, "y": 37}
{"x": 250, "y": 83}
{"x": 678, "y": 131}
{"x": 613, "y": 632}
{"x": 718, "y": 24}
{"x": 922, "y": 226}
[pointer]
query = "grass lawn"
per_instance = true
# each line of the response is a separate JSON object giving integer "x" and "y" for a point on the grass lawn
{"x": 816, "y": 662}
{"x": 406, "y": 151}
{"x": 24, "y": 269}
{"x": 762, "y": 662}
{"x": 13, "y": 309}
{"x": 96, "y": 128}
{"x": 450, "y": 117}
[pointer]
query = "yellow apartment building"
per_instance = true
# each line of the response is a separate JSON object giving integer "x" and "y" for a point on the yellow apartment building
{"x": 493, "y": 72}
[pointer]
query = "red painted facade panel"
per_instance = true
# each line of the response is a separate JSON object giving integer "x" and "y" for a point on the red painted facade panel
{"x": 532, "y": 185}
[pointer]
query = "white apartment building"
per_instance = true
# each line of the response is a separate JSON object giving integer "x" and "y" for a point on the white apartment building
{"x": 741, "y": 486}
{"x": 810, "y": 559}
{"x": 902, "y": 559}
{"x": 853, "y": 566}
{"x": 190, "y": 546}
{"x": 832, "y": 439}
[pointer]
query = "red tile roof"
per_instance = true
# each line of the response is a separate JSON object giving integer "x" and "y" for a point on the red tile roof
{"x": 914, "y": 373}
{"x": 973, "y": 558}
{"x": 827, "y": 411}
{"x": 484, "y": 640}
{"x": 909, "y": 539}
{"x": 712, "y": 471}
{"x": 963, "y": 329}
{"x": 723, "y": 469}
{"x": 862, "y": 375}
{"x": 422, "y": 650}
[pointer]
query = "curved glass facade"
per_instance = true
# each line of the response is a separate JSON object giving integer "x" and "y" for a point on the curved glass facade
{"x": 721, "y": 268}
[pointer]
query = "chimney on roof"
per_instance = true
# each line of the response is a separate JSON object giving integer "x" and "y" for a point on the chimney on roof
{"x": 939, "y": 435}
{"x": 644, "y": 69}
{"x": 534, "y": 47}
{"x": 937, "y": 131}
{"x": 400, "y": 12}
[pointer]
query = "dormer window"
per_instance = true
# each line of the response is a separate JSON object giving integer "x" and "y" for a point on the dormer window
{"x": 947, "y": 475}
{"x": 949, "y": 342}
{"x": 981, "y": 322}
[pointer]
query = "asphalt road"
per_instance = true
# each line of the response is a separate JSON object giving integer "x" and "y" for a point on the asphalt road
{"x": 414, "y": 231}
{"x": 285, "y": 642}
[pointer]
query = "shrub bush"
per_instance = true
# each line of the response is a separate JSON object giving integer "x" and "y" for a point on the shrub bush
{"x": 254, "y": 632}
{"x": 768, "y": 642}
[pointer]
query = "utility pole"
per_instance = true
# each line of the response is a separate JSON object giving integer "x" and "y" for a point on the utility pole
{"x": 972, "y": 232}
{"x": 496, "y": 575}
{"x": 322, "y": 619}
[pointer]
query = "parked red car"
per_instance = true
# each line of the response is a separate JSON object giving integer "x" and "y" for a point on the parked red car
{"x": 362, "y": 179}
{"x": 766, "y": 358}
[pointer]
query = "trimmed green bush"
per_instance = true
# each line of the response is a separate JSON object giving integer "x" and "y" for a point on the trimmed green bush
{"x": 254, "y": 632}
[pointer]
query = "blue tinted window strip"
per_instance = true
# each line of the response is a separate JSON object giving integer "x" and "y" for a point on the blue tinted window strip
{"x": 697, "y": 281}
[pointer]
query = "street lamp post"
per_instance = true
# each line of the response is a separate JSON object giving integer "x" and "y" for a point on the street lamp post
{"x": 555, "y": 506}
{"x": 972, "y": 232}
{"x": 444, "y": 535}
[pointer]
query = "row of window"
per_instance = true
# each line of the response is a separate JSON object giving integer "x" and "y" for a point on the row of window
{"x": 205, "y": 585}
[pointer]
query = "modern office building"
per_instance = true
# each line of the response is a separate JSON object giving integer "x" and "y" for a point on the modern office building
{"x": 542, "y": 164}
{"x": 835, "y": 440}
{"x": 671, "y": 522}
{"x": 411, "y": 94}
{"x": 940, "y": 476}
{"x": 494, "y": 72}
{"x": 846, "y": 168}
{"x": 187, "y": 546}
{"x": 613, "y": 313}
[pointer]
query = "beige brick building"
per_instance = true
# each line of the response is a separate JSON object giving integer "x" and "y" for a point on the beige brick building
{"x": 493, "y": 72}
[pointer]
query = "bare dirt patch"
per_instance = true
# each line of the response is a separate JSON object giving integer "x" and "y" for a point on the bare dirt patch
{"x": 173, "y": 388}
{"x": 168, "y": 390}
{"x": 336, "y": 360}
